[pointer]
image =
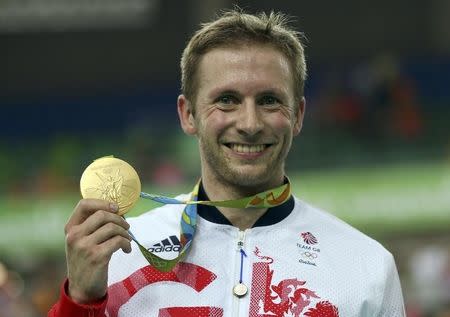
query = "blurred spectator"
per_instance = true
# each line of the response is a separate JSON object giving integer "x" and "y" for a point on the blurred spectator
{"x": 30, "y": 293}
{"x": 167, "y": 174}
{"x": 430, "y": 275}
{"x": 395, "y": 93}
{"x": 12, "y": 302}
{"x": 5, "y": 298}
{"x": 377, "y": 102}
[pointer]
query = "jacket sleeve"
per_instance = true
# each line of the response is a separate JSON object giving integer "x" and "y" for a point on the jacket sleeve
{"x": 392, "y": 304}
{"x": 65, "y": 307}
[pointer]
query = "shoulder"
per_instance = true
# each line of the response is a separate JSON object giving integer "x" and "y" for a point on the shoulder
{"x": 337, "y": 232}
{"x": 348, "y": 249}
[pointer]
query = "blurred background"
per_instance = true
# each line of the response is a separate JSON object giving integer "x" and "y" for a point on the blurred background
{"x": 83, "y": 79}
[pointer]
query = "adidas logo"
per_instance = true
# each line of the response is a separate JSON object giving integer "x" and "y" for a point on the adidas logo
{"x": 171, "y": 244}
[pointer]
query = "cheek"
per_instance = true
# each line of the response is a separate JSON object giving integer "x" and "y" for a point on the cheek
{"x": 287, "y": 117}
{"x": 281, "y": 123}
{"x": 214, "y": 123}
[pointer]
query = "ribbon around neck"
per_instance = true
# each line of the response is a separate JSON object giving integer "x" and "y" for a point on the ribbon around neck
{"x": 267, "y": 199}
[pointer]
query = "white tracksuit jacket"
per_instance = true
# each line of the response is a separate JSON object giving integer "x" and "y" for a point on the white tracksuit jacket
{"x": 308, "y": 264}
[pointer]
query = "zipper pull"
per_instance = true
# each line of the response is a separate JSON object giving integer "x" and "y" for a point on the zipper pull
{"x": 240, "y": 244}
{"x": 241, "y": 289}
{"x": 242, "y": 260}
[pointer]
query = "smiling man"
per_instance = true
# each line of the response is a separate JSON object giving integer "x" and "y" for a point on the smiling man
{"x": 245, "y": 119}
{"x": 273, "y": 255}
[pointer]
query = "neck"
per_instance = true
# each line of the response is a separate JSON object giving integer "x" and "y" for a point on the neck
{"x": 242, "y": 218}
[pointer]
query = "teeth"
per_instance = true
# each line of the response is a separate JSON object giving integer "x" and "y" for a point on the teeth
{"x": 245, "y": 148}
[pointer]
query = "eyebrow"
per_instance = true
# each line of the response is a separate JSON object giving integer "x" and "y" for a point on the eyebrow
{"x": 272, "y": 91}
{"x": 219, "y": 92}
{"x": 277, "y": 92}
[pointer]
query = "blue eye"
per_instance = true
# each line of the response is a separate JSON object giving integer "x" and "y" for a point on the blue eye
{"x": 268, "y": 101}
{"x": 227, "y": 100}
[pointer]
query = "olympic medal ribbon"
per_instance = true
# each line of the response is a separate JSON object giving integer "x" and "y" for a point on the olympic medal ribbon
{"x": 266, "y": 199}
{"x": 188, "y": 225}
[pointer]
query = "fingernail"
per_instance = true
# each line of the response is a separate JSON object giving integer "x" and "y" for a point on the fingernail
{"x": 114, "y": 207}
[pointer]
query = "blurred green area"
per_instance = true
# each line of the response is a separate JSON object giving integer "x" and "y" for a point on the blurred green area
{"x": 396, "y": 198}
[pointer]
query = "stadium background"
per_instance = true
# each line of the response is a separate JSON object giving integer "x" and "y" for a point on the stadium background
{"x": 83, "y": 79}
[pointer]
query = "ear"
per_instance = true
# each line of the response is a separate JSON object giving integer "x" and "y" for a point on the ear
{"x": 299, "y": 116}
{"x": 187, "y": 120}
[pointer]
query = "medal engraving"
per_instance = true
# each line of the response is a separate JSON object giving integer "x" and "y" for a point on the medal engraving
{"x": 113, "y": 180}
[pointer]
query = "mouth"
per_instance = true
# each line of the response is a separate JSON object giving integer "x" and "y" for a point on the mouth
{"x": 247, "y": 148}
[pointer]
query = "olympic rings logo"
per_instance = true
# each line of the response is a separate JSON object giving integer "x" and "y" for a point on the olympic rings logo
{"x": 309, "y": 255}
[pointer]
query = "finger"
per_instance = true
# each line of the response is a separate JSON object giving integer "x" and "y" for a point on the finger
{"x": 99, "y": 219}
{"x": 108, "y": 231}
{"x": 110, "y": 246}
{"x": 87, "y": 207}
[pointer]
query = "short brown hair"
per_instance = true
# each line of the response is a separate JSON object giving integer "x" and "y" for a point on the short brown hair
{"x": 235, "y": 27}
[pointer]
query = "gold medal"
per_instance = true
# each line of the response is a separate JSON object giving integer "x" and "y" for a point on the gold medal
{"x": 240, "y": 290}
{"x": 111, "y": 179}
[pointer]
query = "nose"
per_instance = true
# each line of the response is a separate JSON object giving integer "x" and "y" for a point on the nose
{"x": 249, "y": 119}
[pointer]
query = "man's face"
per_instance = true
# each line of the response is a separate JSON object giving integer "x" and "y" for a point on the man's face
{"x": 245, "y": 115}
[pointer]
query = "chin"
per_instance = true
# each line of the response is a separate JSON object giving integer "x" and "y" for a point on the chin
{"x": 247, "y": 178}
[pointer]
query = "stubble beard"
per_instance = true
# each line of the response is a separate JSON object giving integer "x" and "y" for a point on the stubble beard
{"x": 230, "y": 173}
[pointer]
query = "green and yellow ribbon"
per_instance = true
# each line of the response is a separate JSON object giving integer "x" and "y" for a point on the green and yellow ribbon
{"x": 267, "y": 199}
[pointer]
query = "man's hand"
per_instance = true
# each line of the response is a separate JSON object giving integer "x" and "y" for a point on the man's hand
{"x": 93, "y": 233}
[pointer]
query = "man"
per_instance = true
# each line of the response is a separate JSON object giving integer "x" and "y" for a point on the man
{"x": 242, "y": 82}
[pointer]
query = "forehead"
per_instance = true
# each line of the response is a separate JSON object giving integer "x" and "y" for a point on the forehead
{"x": 245, "y": 66}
